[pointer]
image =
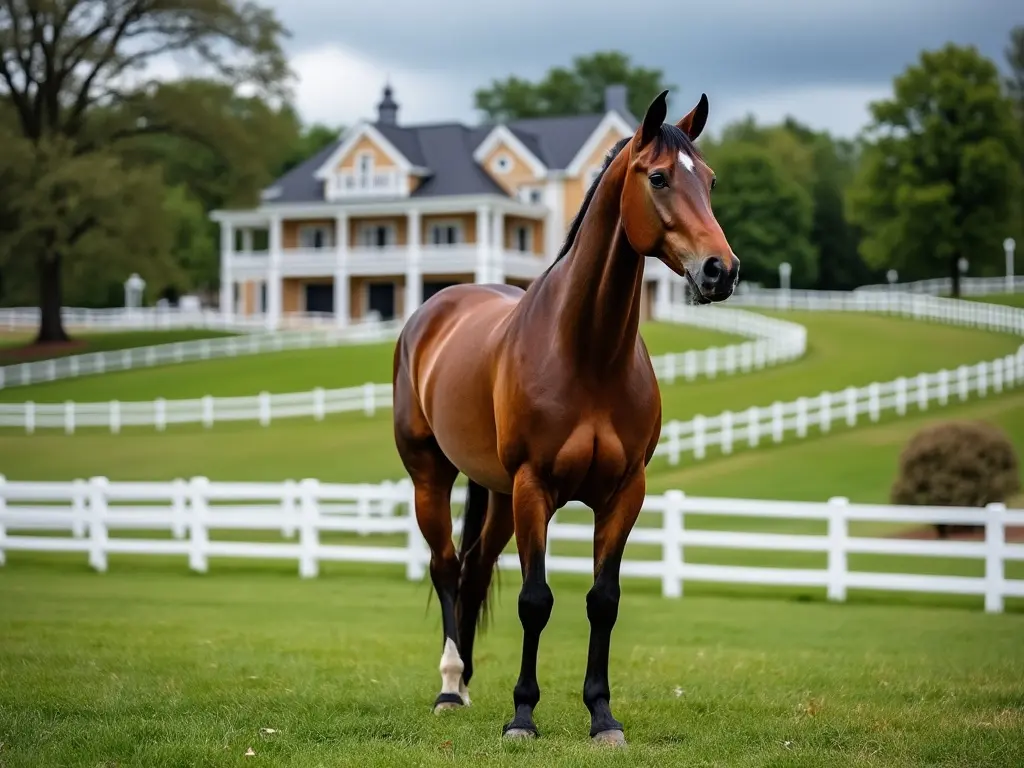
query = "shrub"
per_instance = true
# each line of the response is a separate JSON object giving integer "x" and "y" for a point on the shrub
{"x": 958, "y": 464}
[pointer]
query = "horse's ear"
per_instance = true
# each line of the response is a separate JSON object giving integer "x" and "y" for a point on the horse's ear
{"x": 654, "y": 118}
{"x": 693, "y": 123}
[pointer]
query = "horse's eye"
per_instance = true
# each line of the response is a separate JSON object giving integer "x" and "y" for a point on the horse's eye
{"x": 658, "y": 180}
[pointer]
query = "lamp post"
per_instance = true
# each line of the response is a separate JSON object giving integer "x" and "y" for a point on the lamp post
{"x": 892, "y": 276}
{"x": 785, "y": 270}
{"x": 1008, "y": 246}
{"x": 133, "y": 288}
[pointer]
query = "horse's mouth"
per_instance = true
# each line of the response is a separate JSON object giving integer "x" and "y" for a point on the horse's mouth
{"x": 698, "y": 294}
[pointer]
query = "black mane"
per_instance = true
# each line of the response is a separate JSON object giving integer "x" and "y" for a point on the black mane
{"x": 670, "y": 138}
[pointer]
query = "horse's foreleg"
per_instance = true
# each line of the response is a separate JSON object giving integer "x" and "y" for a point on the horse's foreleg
{"x": 612, "y": 525}
{"x": 532, "y": 509}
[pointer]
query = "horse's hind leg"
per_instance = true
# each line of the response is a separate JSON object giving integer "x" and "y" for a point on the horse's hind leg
{"x": 487, "y": 528}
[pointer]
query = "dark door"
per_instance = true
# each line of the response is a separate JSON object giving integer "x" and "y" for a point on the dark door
{"x": 430, "y": 287}
{"x": 320, "y": 297}
{"x": 382, "y": 299}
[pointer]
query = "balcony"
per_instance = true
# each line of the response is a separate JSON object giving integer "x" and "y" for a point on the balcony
{"x": 344, "y": 185}
{"x": 391, "y": 260}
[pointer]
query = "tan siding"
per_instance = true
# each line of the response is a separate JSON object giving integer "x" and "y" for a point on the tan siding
{"x": 365, "y": 144}
{"x": 517, "y": 175}
{"x": 576, "y": 189}
{"x": 291, "y": 295}
{"x": 249, "y": 296}
{"x": 511, "y": 222}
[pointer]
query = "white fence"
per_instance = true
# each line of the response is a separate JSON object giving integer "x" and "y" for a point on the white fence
{"x": 71, "y": 366}
{"x": 776, "y": 341}
{"x": 158, "y": 318}
{"x": 80, "y": 517}
{"x": 969, "y": 286}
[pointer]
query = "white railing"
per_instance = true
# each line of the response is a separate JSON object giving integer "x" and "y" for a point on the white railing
{"x": 121, "y": 318}
{"x": 79, "y": 516}
{"x": 343, "y": 184}
{"x": 71, "y": 366}
{"x": 969, "y": 286}
{"x": 780, "y": 341}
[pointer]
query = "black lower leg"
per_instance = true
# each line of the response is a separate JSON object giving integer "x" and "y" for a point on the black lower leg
{"x": 445, "y": 577}
{"x": 535, "y": 604}
{"x": 602, "y": 610}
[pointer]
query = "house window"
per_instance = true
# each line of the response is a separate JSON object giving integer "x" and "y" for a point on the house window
{"x": 364, "y": 170}
{"x": 315, "y": 236}
{"x": 523, "y": 238}
{"x": 532, "y": 195}
{"x": 377, "y": 235}
{"x": 446, "y": 233}
{"x": 502, "y": 163}
{"x": 263, "y": 297}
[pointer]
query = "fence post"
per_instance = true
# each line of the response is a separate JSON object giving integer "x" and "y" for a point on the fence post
{"x": 801, "y": 417}
{"x": 995, "y": 550}
{"x": 699, "y": 437}
{"x": 825, "y": 411}
{"x": 415, "y": 567}
{"x": 670, "y": 368}
{"x": 753, "y": 426}
{"x": 922, "y": 391}
{"x": 673, "y": 442}
{"x": 727, "y": 432}
{"x": 3, "y": 512}
{"x": 901, "y": 396}
{"x": 943, "y": 395}
{"x": 264, "y": 406}
{"x": 98, "y": 523}
{"x": 961, "y": 382}
{"x": 837, "y": 535}
{"x": 369, "y": 398}
{"x": 318, "y": 404}
{"x": 199, "y": 488}
{"x": 30, "y": 417}
{"x": 69, "y": 417}
{"x": 997, "y": 375}
{"x": 309, "y": 536}
{"x": 160, "y": 414}
{"x": 207, "y": 411}
{"x": 672, "y": 545}
{"x": 851, "y": 406}
{"x": 777, "y": 423}
{"x": 982, "y": 369}
{"x": 79, "y": 508}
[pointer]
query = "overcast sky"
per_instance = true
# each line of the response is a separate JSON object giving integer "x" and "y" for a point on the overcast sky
{"x": 819, "y": 60}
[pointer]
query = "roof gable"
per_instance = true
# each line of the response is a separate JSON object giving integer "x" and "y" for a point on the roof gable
{"x": 359, "y": 131}
{"x": 499, "y": 135}
{"x": 611, "y": 121}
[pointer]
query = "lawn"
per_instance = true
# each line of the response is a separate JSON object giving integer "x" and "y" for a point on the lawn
{"x": 1008, "y": 299}
{"x": 148, "y": 665}
{"x": 12, "y": 342}
{"x": 291, "y": 371}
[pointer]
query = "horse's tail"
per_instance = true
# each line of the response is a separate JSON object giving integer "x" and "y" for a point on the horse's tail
{"x": 473, "y": 518}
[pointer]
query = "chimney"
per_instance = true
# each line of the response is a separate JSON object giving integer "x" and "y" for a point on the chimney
{"x": 387, "y": 109}
{"x": 616, "y": 99}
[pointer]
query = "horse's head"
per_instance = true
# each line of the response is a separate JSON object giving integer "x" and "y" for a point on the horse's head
{"x": 666, "y": 202}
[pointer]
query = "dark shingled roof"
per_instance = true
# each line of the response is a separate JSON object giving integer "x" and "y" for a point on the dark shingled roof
{"x": 446, "y": 151}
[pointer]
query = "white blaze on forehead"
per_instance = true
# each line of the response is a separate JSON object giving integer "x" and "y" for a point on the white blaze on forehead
{"x": 686, "y": 161}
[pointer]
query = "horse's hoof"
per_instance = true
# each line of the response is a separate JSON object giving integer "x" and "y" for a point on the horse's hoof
{"x": 519, "y": 733}
{"x": 446, "y": 701}
{"x": 613, "y": 738}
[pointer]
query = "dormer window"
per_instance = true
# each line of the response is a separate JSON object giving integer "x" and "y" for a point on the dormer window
{"x": 502, "y": 163}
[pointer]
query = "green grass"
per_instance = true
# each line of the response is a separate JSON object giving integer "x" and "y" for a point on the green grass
{"x": 11, "y": 342}
{"x": 152, "y": 666}
{"x": 1007, "y": 299}
{"x": 291, "y": 371}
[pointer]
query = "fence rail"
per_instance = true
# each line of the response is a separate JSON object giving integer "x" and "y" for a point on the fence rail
{"x": 776, "y": 341}
{"x": 80, "y": 516}
{"x": 969, "y": 286}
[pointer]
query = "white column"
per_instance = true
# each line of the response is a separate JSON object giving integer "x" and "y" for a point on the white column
{"x": 497, "y": 274}
{"x": 227, "y": 279}
{"x": 413, "y": 270}
{"x": 247, "y": 241}
{"x": 273, "y": 317}
{"x": 554, "y": 222}
{"x": 342, "y": 311}
{"x": 483, "y": 250}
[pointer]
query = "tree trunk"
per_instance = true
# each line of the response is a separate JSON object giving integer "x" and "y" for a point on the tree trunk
{"x": 955, "y": 275}
{"x": 51, "y": 324}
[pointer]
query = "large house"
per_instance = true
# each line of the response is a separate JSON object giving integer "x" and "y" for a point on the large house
{"x": 389, "y": 214}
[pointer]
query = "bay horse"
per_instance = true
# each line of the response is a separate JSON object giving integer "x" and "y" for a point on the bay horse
{"x": 548, "y": 395}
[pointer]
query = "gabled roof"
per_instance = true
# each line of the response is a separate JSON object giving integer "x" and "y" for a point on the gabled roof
{"x": 443, "y": 153}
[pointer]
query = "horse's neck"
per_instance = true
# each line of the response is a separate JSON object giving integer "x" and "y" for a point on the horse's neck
{"x": 599, "y": 311}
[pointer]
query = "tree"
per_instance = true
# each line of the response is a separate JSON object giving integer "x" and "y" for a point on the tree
{"x": 940, "y": 173}
{"x": 765, "y": 213}
{"x": 69, "y": 70}
{"x": 574, "y": 91}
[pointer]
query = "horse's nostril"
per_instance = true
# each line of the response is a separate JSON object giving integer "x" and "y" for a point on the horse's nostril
{"x": 712, "y": 268}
